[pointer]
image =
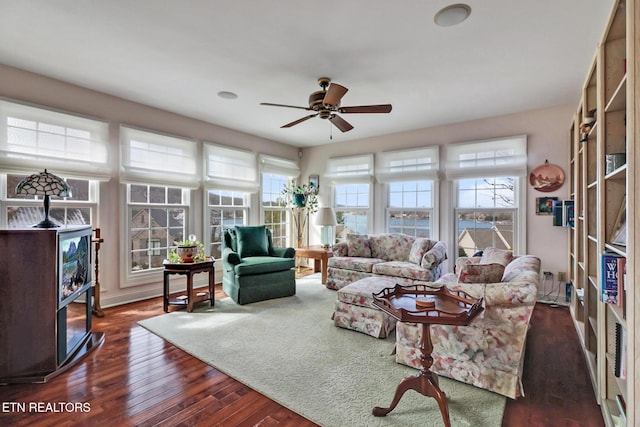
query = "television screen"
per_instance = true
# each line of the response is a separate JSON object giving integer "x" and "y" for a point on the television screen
{"x": 74, "y": 263}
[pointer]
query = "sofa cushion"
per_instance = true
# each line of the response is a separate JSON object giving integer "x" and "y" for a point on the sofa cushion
{"x": 481, "y": 273}
{"x": 496, "y": 256}
{"x": 252, "y": 241}
{"x": 391, "y": 246}
{"x": 263, "y": 264}
{"x": 354, "y": 263}
{"x": 401, "y": 269}
{"x": 419, "y": 249}
{"x": 434, "y": 256}
{"x": 358, "y": 245}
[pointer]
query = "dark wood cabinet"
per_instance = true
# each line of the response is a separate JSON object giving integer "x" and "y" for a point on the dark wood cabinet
{"x": 43, "y": 331}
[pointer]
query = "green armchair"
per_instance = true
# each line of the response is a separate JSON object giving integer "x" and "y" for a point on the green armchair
{"x": 255, "y": 270}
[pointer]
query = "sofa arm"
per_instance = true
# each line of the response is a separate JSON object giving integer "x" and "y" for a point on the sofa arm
{"x": 230, "y": 257}
{"x": 434, "y": 256}
{"x": 340, "y": 249}
{"x": 510, "y": 293}
{"x": 283, "y": 252}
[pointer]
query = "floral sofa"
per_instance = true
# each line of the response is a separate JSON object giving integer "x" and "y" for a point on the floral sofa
{"x": 489, "y": 352}
{"x": 407, "y": 259}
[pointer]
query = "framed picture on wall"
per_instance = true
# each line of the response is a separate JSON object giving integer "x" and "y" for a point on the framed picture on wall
{"x": 544, "y": 205}
{"x": 314, "y": 181}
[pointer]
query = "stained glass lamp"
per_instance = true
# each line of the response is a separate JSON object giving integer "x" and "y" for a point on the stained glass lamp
{"x": 44, "y": 184}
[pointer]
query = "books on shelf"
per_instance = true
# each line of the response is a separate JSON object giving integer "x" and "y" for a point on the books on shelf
{"x": 563, "y": 213}
{"x": 622, "y": 283}
{"x": 609, "y": 278}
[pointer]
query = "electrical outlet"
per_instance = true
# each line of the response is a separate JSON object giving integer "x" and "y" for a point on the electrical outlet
{"x": 562, "y": 276}
{"x": 547, "y": 274}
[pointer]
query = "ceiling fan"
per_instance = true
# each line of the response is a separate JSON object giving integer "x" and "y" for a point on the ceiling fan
{"x": 326, "y": 104}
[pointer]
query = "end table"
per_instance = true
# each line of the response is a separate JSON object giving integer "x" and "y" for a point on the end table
{"x": 425, "y": 306}
{"x": 320, "y": 256}
{"x": 189, "y": 269}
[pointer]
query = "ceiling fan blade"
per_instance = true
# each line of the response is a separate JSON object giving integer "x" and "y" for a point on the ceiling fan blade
{"x": 288, "y": 125}
{"x": 340, "y": 123}
{"x": 334, "y": 94}
{"x": 382, "y": 108}
{"x": 283, "y": 105}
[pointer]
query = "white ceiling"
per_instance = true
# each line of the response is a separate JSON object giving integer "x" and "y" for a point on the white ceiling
{"x": 509, "y": 56}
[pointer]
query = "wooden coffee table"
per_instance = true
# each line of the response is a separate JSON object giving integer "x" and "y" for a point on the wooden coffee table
{"x": 425, "y": 306}
{"x": 320, "y": 256}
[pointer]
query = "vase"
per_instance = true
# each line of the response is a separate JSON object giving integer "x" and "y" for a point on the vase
{"x": 299, "y": 200}
{"x": 186, "y": 253}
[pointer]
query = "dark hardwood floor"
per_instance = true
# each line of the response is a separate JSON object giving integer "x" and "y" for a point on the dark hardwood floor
{"x": 138, "y": 379}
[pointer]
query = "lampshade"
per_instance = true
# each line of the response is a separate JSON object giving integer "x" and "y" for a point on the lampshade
{"x": 326, "y": 216}
{"x": 44, "y": 184}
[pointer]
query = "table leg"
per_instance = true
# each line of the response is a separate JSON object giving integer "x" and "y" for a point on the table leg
{"x": 425, "y": 382}
{"x": 212, "y": 298}
{"x": 325, "y": 261}
{"x": 189, "y": 292}
{"x": 165, "y": 293}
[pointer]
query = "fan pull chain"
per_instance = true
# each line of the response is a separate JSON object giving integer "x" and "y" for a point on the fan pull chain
{"x": 330, "y": 132}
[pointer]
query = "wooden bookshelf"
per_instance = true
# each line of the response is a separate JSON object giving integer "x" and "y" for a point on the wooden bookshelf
{"x": 600, "y": 191}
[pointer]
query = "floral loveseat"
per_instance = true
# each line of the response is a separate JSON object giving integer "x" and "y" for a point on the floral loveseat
{"x": 407, "y": 259}
{"x": 489, "y": 352}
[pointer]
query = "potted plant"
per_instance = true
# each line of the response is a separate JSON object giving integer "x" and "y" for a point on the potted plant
{"x": 190, "y": 250}
{"x": 302, "y": 200}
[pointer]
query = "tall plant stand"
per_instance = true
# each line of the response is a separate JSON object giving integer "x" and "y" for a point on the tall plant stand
{"x": 96, "y": 309}
{"x": 425, "y": 306}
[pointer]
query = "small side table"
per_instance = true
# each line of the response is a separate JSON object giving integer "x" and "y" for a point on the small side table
{"x": 425, "y": 306}
{"x": 320, "y": 257}
{"x": 191, "y": 297}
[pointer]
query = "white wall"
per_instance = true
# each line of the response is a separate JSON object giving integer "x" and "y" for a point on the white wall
{"x": 32, "y": 88}
{"x": 547, "y": 133}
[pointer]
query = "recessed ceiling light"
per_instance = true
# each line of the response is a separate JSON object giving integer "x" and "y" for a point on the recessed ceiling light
{"x": 452, "y": 15}
{"x": 227, "y": 95}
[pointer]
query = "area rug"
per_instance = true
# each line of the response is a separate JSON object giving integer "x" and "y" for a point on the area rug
{"x": 289, "y": 350}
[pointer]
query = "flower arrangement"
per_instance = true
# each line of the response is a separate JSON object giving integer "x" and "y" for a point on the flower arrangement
{"x": 303, "y": 199}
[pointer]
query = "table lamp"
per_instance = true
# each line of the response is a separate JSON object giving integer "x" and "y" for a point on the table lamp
{"x": 44, "y": 184}
{"x": 327, "y": 219}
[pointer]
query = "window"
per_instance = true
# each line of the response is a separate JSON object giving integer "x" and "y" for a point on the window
{"x": 157, "y": 218}
{"x": 352, "y": 207}
{"x": 276, "y": 173}
{"x": 409, "y": 177}
{"x": 351, "y": 178}
{"x": 157, "y": 172}
{"x": 488, "y": 177}
{"x": 410, "y": 208}
{"x": 226, "y": 210}
{"x": 21, "y": 211}
{"x": 230, "y": 178}
{"x": 33, "y": 138}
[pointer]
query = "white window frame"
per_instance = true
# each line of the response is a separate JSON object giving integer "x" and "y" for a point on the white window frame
{"x": 411, "y": 165}
{"x": 288, "y": 170}
{"x": 491, "y": 158}
{"x": 158, "y": 160}
{"x": 352, "y": 170}
{"x": 244, "y": 207}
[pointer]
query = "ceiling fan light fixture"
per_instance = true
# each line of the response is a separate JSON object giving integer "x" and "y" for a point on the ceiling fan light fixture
{"x": 452, "y": 15}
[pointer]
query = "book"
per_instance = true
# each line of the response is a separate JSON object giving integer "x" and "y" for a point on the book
{"x": 568, "y": 213}
{"x": 622, "y": 275}
{"x": 609, "y": 278}
{"x": 618, "y": 354}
